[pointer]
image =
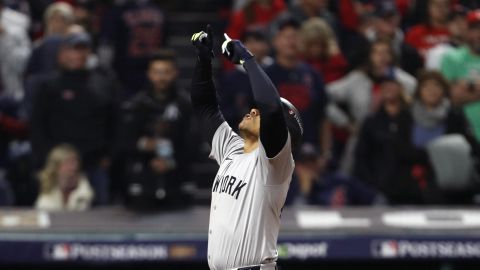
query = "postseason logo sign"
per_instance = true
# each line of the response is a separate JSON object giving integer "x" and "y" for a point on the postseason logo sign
{"x": 105, "y": 252}
{"x": 394, "y": 249}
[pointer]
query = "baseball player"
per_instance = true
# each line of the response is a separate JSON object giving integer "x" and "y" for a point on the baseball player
{"x": 256, "y": 166}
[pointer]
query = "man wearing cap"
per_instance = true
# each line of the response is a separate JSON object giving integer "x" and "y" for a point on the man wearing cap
{"x": 78, "y": 106}
{"x": 298, "y": 82}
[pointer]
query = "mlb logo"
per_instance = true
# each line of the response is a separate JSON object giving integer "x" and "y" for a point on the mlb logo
{"x": 385, "y": 249}
{"x": 60, "y": 252}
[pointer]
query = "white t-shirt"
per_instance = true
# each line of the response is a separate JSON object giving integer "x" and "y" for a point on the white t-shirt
{"x": 248, "y": 194}
{"x": 434, "y": 56}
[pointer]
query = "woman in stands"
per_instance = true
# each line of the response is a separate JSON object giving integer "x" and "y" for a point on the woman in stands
{"x": 63, "y": 186}
{"x": 320, "y": 49}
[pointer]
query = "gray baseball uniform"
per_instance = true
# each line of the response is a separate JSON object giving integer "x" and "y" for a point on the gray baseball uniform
{"x": 249, "y": 189}
{"x": 248, "y": 194}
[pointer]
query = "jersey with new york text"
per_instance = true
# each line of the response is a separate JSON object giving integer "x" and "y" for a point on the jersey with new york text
{"x": 248, "y": 194}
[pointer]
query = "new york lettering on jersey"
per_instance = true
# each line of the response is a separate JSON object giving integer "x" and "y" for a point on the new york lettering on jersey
{"x": 228, "y": 184}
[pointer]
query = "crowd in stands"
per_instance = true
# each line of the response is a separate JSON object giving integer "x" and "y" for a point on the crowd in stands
{"x": 92, "y": 114}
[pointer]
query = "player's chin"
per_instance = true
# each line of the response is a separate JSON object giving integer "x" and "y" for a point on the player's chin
{"x": 241, "y": 125}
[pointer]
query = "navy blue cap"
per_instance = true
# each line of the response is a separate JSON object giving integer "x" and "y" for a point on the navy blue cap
{"x": 77, "y": 39}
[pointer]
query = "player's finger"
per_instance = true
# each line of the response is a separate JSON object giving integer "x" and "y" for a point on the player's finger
{"x": 227, "y": 38}
{"x": 224, "y": 48}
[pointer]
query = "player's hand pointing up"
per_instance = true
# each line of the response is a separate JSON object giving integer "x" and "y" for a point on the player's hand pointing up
{"x": 203, "y": 42}
{"x": 235, "y": 51}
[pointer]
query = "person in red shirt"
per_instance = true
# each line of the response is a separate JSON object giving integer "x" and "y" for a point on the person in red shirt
{"x": 434, "y": 31}
{"x": 320, "y": 49}
{"x": 255, "y": 14}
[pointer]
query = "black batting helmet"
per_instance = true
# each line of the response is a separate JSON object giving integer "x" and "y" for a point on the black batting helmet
{"x": 294, "y": 122}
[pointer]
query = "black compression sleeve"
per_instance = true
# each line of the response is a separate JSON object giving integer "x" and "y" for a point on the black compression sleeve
{"x": 204, "y": 98}
{"x": 273, "y": 128}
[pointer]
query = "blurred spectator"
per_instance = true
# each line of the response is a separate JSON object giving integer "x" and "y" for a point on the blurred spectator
{"x": 254, "y": 15}
{"x": 77, "y": 106}
{"x": 320, "y": 49}
{"x": 14, "y": 53}
{"x": 33, "y": 80}
{"x": 131, "y": 31}
{"x": 83, "y": 15}
{"x": 434, "y": 30}
{"x": 313, "y": 185}
{"x": 348, "y": 15}
{"x": 236, "y": 93}
{"x": 12, "y": 20}
{"x": 353, "y": 39}
{"x": 384, "y": 157}
{"x": 359, "y": 89}
{"x": 351, "y": 13}
{"x": 461, "y": 66}
{"x": 432, "y": 118}
{"x": 92, "y": 61}
{"x": 458, "y": 29}
{"x": 22, "y": 6}
{"x": 155, "y": 135}
{"x": 386, "y": 25}
{"x": 370, "y": 20}
{"x": 299, "y": 83}
{"x": 63, "y": 184}
{"x": 302, "y": 10}
{"x": 58, "y": 17}
{"x": 432, "y": 113}
{"x": 358, "y": 94}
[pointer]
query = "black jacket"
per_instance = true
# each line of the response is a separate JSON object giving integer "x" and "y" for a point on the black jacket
{"x": 144, "y": 115}
{"x": 384, "y": 157}
{"x": 79, "y": 108}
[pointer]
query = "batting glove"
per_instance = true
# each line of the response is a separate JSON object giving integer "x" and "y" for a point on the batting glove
{"x": 203, "y": 42}
{"x": 235, "y": 51}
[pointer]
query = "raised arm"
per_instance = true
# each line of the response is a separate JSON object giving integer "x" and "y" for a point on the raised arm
{"x": 273, "y": 128}
{"x": 203, "y": 93}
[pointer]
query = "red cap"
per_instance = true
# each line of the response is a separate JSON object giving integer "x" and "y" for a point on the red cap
{"x": 473, "y": 17}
